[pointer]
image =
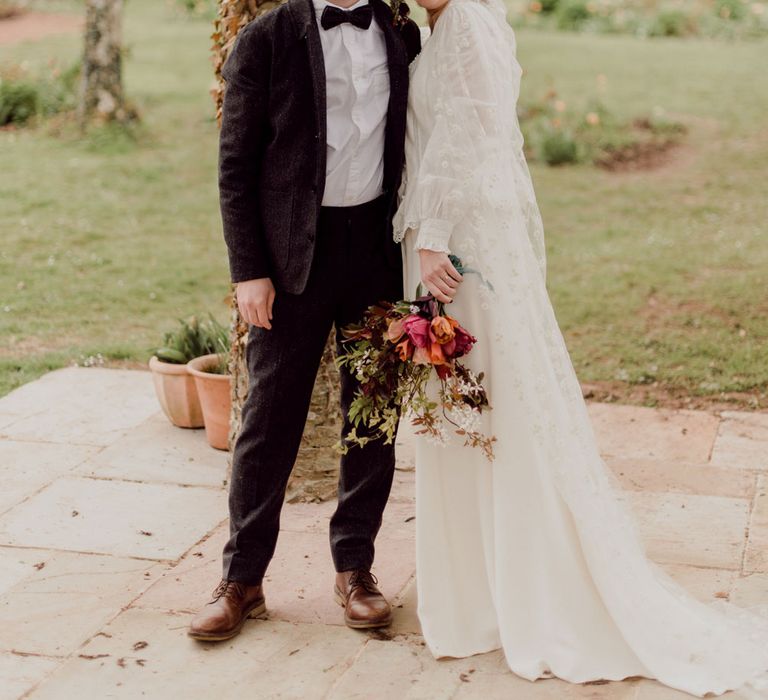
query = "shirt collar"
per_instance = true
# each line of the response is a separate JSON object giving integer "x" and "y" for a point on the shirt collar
{"x": 320, "y": 5}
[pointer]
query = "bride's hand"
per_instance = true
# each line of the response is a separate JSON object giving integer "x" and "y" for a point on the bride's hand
{"x": 439, "y": 275}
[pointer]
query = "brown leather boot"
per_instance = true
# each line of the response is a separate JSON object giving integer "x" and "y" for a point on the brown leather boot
{"x": 231, "y": 605}
{"x": 364, "y": 605}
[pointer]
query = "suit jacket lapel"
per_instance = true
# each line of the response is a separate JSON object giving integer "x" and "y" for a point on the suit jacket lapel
{"x": 398, "y": 92}
{"x": 303, "y": 13}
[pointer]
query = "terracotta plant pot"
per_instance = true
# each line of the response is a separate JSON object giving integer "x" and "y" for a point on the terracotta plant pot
{"x": 177, "y": 393}
{"x": 214, "y": 391}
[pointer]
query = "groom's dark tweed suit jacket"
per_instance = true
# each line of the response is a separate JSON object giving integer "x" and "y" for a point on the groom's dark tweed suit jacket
{"x": 273, "y": 141}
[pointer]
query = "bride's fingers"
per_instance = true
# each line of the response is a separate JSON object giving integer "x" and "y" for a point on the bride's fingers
{"x": 453, "y": 272}
{"x": 443, "y": 288}
{"x": 450, "y": 282}
{"x": 440, "y": 296}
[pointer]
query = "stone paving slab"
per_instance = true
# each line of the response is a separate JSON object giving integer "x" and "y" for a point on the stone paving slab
{"x": 60, "y": 599}
{"x": 667, "y": 522}
{"x": 741, "y": 441}
{"x": 268, "y": 660}
{"x": 679, "y": 477}
{"x": 80, "y": 406}
{"x": 25, "y": 467}
{"x": 7, "y": 418}
{"x": 757, "y": 542}
{"x": 637, "y": 432}
{"x": 158, "y": 452}
{"x": 84, "y": 592}
{"x": 21, "y": 673}
{"x": 155, "y": 521}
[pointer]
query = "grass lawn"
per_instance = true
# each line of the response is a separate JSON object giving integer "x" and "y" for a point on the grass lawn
{"x": 658, "y": 277}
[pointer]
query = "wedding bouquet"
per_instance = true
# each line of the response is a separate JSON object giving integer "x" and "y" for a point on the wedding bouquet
{"x": 393, "y": 353}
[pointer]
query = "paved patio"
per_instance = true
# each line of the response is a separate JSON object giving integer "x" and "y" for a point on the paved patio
{"x": 112, "y": 523}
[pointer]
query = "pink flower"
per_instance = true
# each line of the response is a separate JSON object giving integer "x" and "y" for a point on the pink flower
{"x": 417, "y": 329}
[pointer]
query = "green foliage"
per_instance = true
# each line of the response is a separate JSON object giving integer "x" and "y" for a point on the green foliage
{"x": 198, "y": 8}
{"x": 23, "y": 97}
{"x": 732, "y": 19}
{"x": 19, "y": 102}
{"x": 572, "y": 14}
{"x": 100, "y": 247}
{"x": 734, "y": 10}
{"x": 559, "y": 147}
{"x": 670, "y": 23}
{"x": 558, "y": 134}
{"x": 193, "y": 338}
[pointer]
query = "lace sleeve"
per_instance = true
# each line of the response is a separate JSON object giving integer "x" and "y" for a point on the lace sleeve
{"x": 472, "y": 89}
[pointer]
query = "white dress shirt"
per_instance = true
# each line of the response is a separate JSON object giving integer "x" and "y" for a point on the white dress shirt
{"x": 357, "y": 89}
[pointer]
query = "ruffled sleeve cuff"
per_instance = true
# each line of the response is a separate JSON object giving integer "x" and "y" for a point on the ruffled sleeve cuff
{"x": 434, "y": 234}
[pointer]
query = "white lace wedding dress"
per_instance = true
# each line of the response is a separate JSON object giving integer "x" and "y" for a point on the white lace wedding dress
{"x": 534, "y": 553}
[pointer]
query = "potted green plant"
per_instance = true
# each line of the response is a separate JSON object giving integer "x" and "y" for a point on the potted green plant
{"x": 174, "y": 385}
{"x": 214, "y": 388}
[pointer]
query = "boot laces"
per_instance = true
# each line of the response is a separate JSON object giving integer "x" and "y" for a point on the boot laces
{"x": 227, "y": 589}
{"x": 363, "y": 579}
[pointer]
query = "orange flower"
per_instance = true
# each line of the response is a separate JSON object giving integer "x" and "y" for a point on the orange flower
{"x": 441, "y": 330}
{"x": 436, "y": 356}
{"x": 405, "y": 350}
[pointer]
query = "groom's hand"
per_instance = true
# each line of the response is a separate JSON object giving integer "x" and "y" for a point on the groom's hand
{"x": 255, "y": 299}
{"x": 439, "y": 275}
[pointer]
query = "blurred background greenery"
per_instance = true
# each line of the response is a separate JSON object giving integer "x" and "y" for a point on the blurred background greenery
{"x": 649, "y": 153}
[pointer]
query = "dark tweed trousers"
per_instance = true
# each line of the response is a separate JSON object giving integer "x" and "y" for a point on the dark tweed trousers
{"x": 349, "y": 272}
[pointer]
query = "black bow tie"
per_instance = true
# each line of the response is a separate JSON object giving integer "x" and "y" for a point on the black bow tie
{"x": 334, "y": 16}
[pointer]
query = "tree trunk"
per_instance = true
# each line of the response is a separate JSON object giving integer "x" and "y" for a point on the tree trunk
{"x": 101, "y": 96}
{"x": 315, "y": 474}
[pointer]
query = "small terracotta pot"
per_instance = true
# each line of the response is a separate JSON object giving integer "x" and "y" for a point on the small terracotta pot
{"x": 214, "y": 391}
{"x": 177, "y": 393}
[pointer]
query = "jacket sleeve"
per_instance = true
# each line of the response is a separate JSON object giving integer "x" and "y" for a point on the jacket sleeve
{"x": 474, "y": 78}
{"x": 241, "y": 144}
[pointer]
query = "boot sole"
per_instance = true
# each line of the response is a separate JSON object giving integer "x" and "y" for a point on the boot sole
{"x": 359, "y": 624}
{"x": 258, "y": 611}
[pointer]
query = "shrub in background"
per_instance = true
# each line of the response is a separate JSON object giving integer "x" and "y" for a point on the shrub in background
{"x": 572, "y": 14}
{"x": 19, "y": 101}
{"x": 671, "y": 23}
{"x": 732, "y": 19}
{"x": 23, "y": 97}
{"x": 559, "y": 135}
{"x": 559, "y": 147}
